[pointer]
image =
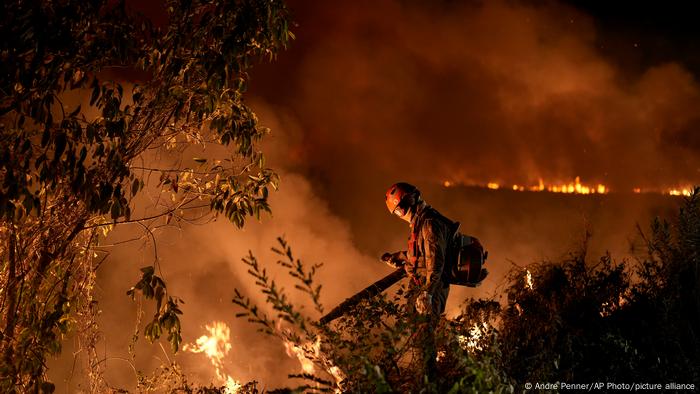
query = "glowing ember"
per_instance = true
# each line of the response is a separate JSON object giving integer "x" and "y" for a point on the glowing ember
{"x": 680, "y": 192}
{"x": 216, "y": 346}
{"x": 307, "y": 350}
{"x": 528, "y": 279}
{"x": 493, "y": 185}
{"x": 474, "y": 340}
{"x": 307, "y": 365}
{"x": 337, "y": 374}
{"x": 441, "y": 355}
{"x": 609, "y": 307}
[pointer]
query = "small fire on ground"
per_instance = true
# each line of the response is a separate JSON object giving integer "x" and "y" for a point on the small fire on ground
{"x": 573, "y": 187}
{"x": 474, "y": 341}
{"x": 528, "y": 279}
{"x": 216, "y": 346}
{"x": 307, "y": 365}
{"x": 609, "y": 307}
{"x": 310, "y": 351}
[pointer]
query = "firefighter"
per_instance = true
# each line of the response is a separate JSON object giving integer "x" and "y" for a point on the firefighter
{"x": 424, "y": 262}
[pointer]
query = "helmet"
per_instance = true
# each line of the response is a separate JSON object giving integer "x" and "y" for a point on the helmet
{"x": 401, "y": 197}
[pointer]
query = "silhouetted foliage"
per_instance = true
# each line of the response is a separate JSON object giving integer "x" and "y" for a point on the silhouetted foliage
{"x": 373, "y": 348}
{"x": 628, "y": 321}
{"x": 77, "y": 145}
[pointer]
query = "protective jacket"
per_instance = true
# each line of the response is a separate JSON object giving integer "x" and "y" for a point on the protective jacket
{"x": 428, "y": 248}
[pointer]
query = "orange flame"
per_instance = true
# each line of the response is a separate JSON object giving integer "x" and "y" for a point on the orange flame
{"x": 309, "y": 349}
{"x": 216, "y": 346}
{"x": 680, "y": 192}
{"x": 573, "y": 187}
{"x": 475, "y": 339}
{"x": 608, "y": 308}
{"x": 307, "y": 365}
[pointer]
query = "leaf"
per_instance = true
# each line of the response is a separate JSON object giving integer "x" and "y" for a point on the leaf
{"x": 175, "y": 342}
{"x": 45, "y": 137}
{"x": 149, "y": 270}
{"x": 47, "y": 387}
{"x": 135, "y": 186}
{"x": 95, "y": 92}
{"x": 115, "y": 211}
{"x": 60, "y": 146}
{"x": 75, "y": 112}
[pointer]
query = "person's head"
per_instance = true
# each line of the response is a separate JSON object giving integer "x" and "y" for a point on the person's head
{"x": 402, "y": 199}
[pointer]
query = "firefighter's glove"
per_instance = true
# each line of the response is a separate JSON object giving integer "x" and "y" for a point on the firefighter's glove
{"x": 393, "y": 260}
{"x": 423, "y": 303}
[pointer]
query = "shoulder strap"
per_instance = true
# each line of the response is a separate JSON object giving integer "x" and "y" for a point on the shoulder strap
{"x": 452, "y": 236}
{"x": 419, "y": 221}
{"x": 454, "y": 226}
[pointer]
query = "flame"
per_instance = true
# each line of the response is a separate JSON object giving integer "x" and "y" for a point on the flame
{"x": 313, "y": 349}
{"x": 675, "y": 191}
{"x": 337, "y": 374}
{"x": 681, "y": 192}
{"x": 441, "y": 355}
{"x": 474, "y": 341}
{"x": 575, "y": 187}
{"x": 216, "y": 346}
{"x": 572, "y": 187}
{"x": 528, "y": 279}
{"x": 307, "y": 365}
{"x": 609, "y": 307}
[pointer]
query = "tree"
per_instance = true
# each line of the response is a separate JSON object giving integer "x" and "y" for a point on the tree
{"x": 69, "y": 174}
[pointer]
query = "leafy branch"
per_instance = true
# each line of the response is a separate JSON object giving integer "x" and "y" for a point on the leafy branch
{"x": 300, "y": 331}
{"x": 165, "y": 318}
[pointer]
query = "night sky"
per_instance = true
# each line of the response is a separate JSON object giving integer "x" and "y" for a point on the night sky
{"x": 638, "y": 35}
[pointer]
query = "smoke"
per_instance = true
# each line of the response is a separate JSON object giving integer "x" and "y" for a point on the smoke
{"x": 202, "y": 265}
{"x": 484, "y": 91}
{"x": 478, "y": 92}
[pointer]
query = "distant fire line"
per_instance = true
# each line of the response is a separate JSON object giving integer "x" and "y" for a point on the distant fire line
{"x": 575, "y": 187}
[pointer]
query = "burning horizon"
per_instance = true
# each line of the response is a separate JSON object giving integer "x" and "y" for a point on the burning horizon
{"x": 478, "y": 93}
{"x": 575, "y": 187}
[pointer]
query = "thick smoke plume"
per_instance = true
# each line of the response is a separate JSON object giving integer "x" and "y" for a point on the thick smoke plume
{"x": 485, "y": 91}
{"x": 479, "y": 92}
